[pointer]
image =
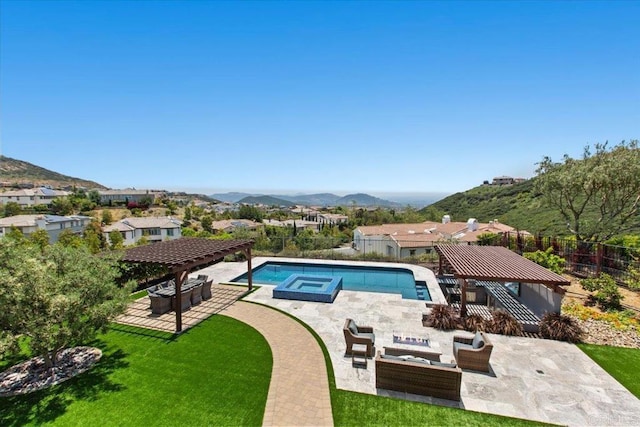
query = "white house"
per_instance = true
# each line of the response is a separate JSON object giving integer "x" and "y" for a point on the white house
{"x": 155, "y": 229}
{"x": 31, "y": 197}
{"x": 53, "y": 224}
{"x": 126, "y": 196}
{"x": 332, "y": 219}
{"x": 404, "y": 240}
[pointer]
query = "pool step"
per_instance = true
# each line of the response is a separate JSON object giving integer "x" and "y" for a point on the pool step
{"x": 421, "y": 290}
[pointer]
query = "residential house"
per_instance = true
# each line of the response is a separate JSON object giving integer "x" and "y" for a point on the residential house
{"x": 301, "y": 224}
{"x": 229, "y": 225}
{"x": 108, "y": 197}
{"x": 31, "y": 197}
{"x": 332, "y": 219}
{"x": 52, "y": 224}
{"x": 404, "y": 240}
{"x": 154, "y": 229}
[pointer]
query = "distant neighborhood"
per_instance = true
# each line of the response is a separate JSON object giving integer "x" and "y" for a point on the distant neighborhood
{"x": 362, "y": 223}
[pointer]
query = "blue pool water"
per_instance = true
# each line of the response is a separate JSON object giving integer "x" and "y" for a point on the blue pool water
{"x": 354, "y": 278}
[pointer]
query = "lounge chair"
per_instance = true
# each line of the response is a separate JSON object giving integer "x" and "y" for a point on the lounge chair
{"x": 206, "y": 290}
{"x": 473, "y": 352}
{"x": 354, "y": 334}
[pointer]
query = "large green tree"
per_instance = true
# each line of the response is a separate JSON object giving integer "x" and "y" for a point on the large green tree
{"x": 598, "y": 195}
{"x": 56, "y": 297}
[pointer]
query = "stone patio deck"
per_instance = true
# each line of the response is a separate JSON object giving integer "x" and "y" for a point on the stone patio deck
{"x": 531, "y": 378}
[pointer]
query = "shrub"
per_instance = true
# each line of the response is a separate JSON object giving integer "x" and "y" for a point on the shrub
{"x": 547, "y": 259}
{"x": 473, "y": 323}
{"x": 606, "y": 292}
{"x": 442, "y": 317}
{"x": 558, "y": 327}
{"x": 504, "y": 323}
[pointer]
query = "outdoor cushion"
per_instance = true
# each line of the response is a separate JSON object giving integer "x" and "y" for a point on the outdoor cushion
{"x": 459, "y": 345}
{"x": 478, "y": 342}
{"x": 389, "y": 357}
{"x": 443, "y": 364}
{"x": 353, "y": 328}
{"x": 368, "y": 335}
{"x": 410, "y": 358}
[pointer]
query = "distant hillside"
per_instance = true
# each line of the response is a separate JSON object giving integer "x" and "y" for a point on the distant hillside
{"x": 361, "y": 199}
{"x": 516, "y": 205}
{"x": 14, "y": 171}
{"x": 231, "y": 197}
{"x": 265, "y": 200}
{"x": 319, "y": 199}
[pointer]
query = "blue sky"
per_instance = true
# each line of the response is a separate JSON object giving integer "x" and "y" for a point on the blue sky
{"x": 295, "y": 96}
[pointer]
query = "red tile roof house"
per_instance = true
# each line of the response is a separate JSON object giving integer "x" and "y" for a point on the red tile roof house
{"x": 405, "y": 240}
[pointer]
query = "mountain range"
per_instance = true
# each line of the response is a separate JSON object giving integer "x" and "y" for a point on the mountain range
{"x": 328, "y": 199}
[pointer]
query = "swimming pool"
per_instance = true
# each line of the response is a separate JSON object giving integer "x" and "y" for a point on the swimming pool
{"x": 354, "y": 277}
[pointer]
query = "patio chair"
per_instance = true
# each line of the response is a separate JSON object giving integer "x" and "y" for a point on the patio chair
{"x": 206, "y": 290}
{"x": 185, "y": 296}
{"x": 159, "y": 304}
{"x": 354, "y": 334}
{"x": 473, "y": 352}
{"x": 203, "y": 277}
{"x": 196, "y": 294}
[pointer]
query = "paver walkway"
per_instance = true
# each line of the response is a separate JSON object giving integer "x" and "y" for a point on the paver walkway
{"x": 299, "y": 389}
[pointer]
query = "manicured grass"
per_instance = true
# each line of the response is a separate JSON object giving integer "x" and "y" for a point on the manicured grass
{"x": 621, "y": 363}
{"x": 137, "y": 295}
{"x": 217, "y": 373}
{"x": 352, "y": 409}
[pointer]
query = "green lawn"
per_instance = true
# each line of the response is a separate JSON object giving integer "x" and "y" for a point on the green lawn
{"x": 217, "y": 373}
{"x": 621, "y": 363}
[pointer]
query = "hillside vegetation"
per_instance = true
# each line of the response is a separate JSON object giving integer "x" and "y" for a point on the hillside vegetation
{"x": 516, "y": 205}
{"x": 14, "y": 171}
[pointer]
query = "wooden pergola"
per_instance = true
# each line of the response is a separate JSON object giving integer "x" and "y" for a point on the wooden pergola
{"x": 183, "y": 255}
{"x": 496, "y": 264}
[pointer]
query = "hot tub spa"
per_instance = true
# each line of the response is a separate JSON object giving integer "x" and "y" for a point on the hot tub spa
{"x": 306, "y": 287}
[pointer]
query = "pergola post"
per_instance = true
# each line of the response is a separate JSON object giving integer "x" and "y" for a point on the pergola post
{"x": 440, "y": 271}
{"x": 180, "y": 276}
{"x": 463, "y": 299}
{"x": 249, "y": 272}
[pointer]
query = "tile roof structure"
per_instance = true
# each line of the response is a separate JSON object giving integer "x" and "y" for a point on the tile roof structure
{"x": 496, "y": 263}
{"x": 182, "y": 255}
{"x": 185, "y": 253}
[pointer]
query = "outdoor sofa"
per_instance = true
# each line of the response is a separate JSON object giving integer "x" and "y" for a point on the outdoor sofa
{"x": 417, "y": 372}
